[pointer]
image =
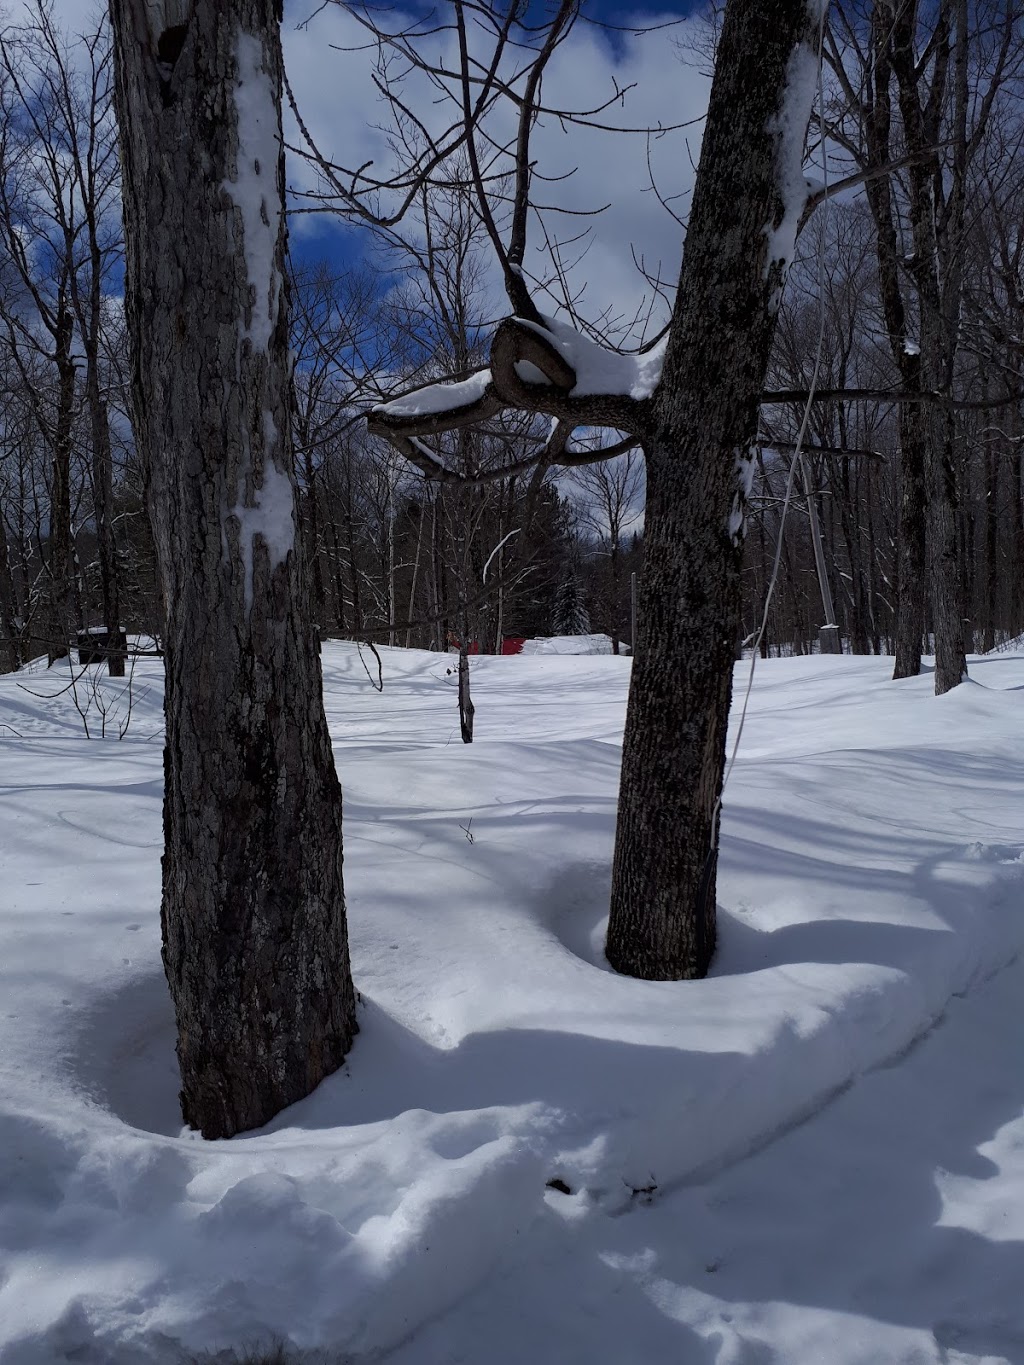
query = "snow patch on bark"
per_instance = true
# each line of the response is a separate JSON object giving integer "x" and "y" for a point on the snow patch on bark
{"x": 789, "y": 126}
{"x": 268, "y": 511}
{"x": 270, "y": 515}
{"x": 736, "y": 525}
{"x": 255, "y": 191}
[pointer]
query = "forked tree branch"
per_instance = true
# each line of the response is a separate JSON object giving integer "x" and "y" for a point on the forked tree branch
{"x": 519, "y": 350}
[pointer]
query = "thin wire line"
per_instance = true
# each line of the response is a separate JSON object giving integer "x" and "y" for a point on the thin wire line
{"x": 798, "y": 451}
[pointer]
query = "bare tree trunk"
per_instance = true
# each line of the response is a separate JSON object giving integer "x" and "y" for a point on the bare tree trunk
{"x": 59, "y": 563}
{"x": 255, "y": 943}
{"x": 318, "y": 597}
{"x": 466, "y": 707}
{"x": 10, "y": 655}
{"x": 615, "y": 569}
{"x": 339, "y": 577}
{"x": 910, "y": 543}
{"x": 988, "y": 640}
{"x": 415, "y": 574}
{"x": 1017, "y": 504}
{"x": 873, "y": 569}
{"x": 353, "y": 565}
{"x": 99, "y": 427}
{"x": 911, "y": 581}
{"x": 937, "y": 291}
{"x": 829, "y": 639}
{"x": 392, "y": 634}
{"x": 944, "y": 561}
{"x": 103, "y": 506}
{"x": 662, "y": 921}
{"x": 443, "y": 625}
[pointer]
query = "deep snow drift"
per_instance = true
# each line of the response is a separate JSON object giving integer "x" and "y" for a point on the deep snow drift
{"x": 871, "y": 871}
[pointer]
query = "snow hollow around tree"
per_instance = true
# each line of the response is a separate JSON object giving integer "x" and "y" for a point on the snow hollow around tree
{"x": 527, "y": 1158}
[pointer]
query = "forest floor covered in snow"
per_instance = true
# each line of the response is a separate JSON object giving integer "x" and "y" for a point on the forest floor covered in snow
{"x": 813, "y": 1157}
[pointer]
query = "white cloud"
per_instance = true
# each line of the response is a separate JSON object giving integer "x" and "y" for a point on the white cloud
{"x": 338, "y": 99}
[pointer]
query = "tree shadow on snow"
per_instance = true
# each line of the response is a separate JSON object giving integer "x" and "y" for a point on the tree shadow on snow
{"x": 864, "y": 1211}
{"x": 123, "y": 1055}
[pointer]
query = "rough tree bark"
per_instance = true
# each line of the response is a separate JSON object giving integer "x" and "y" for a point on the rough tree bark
{"x": 662, "y": 921}
{"x": 255, "y": 943}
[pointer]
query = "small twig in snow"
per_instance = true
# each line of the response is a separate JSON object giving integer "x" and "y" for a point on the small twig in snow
{"x": 379, "y": 684}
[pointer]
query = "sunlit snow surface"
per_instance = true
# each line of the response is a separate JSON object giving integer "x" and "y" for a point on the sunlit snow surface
{"x": 870, "y": 872}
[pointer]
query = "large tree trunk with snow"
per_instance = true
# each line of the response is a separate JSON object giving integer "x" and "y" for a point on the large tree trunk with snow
{"x": 748, "y": 196}
{"x": 255, "y": 943}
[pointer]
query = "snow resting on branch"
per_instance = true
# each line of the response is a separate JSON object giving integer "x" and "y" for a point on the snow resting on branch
{"x": 440, "y": 397}
{"x": 600, "y": 370}
{"x": 595, "y": 371}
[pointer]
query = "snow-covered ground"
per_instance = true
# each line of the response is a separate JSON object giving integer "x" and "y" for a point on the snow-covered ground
{"x": 814, "y": 1157}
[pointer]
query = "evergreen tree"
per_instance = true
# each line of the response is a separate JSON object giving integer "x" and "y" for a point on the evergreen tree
{"x": 570, "y": 615}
